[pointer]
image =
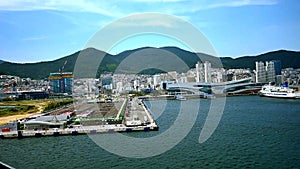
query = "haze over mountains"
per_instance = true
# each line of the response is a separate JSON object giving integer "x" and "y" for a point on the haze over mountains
{"x": 110, "y": 62}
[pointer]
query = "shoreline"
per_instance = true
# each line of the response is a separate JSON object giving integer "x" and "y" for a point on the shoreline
{"x": 90, "y": 129}
{"x": 84, "y": 130}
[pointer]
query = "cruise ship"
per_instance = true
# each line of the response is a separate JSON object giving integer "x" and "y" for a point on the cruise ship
{"x": 279, "y": 92}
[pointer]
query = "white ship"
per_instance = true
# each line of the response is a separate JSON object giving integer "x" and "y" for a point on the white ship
{"x": 279, "y": 92}
{"x": 180, "y": 97}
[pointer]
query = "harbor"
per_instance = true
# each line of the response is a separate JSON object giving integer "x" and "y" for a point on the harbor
{"x": 77, "y": 131}
{"x": 259, "y": 131}
{"x": 162, "y": 84}
{"x": 131, "y": 116}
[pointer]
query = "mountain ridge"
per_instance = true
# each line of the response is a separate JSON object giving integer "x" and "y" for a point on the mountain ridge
{"x": 41, "y": 70}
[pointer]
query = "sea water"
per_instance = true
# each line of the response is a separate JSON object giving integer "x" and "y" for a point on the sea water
{"x": 254, "y": 132}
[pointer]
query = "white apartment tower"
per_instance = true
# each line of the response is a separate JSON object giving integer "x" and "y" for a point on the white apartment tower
{"x": 264, "y": 74}
{"x": 197, "y": 72}
{"x": 270, "y": 69}
{"x": 207, "y": 72}
{"x": 260, "y": 72}
{"x": 200, "y": 72}
{"x": 156, "y": 80}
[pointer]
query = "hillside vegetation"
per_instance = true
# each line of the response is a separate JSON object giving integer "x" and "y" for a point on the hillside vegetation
{"x": 91, "y": 57}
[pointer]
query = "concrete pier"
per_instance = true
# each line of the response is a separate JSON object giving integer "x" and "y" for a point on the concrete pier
{"x": 77, "y": 131}
{"x": 137, "y": 112}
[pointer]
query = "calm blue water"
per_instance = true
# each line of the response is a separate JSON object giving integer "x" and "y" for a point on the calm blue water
{"x": 254, "y": 132}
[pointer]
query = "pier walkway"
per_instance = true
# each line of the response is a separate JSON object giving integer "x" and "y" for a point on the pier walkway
{"x": 138, "y": 119}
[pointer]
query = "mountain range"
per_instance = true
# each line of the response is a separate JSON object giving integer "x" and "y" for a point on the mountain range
{"x": 41, "y": 70}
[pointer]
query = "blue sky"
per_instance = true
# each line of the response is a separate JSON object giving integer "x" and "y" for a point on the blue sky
{"x": 42, "y": 30}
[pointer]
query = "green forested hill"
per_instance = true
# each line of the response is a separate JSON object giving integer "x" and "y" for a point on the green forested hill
{"x": 42, "y": 70}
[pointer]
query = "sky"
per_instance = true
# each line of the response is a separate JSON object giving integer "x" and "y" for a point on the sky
{"x": 44, "y": 30}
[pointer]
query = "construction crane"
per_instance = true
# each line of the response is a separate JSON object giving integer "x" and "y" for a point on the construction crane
{"x": 60, "y": 74}
{"x": 60, "y": 70}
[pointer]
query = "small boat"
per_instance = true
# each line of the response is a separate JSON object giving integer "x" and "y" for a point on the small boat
{"x": 279, "y": 92}
{"x": 209, "y": 96}
{"x": 180, "y": 97}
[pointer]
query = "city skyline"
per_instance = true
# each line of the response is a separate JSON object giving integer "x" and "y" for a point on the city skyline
{"x": 35, "y": 31}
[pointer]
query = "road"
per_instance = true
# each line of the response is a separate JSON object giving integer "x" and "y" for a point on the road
{"x": 136, "y": 111}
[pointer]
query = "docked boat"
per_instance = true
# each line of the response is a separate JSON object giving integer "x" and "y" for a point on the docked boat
{"x": 279, "y": 92}
{"x": 180, "y": 97}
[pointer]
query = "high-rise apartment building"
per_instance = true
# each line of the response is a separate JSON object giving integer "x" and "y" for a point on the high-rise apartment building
{"x": 260, "y": 72}
{"x": 277, "y": 67}
{"x": 203, "y": 72}
{"x": 61, "y": 82}
{"x": 207, "y": 72}
{"x": 270, "y": 71}
{"x": 267, "y": 72}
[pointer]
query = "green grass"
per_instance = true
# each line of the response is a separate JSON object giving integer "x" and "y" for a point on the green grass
{"x": 31, "y": 106}
{"x": 56, "y": 104}
{"x": 18, "y": 109}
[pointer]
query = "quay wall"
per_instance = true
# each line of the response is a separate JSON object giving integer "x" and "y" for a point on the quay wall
{"x": 77, "y": 131}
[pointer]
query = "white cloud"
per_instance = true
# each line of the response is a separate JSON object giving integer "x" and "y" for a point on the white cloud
{"x": 195, "y": 6}
{"x": 145, "y": 23}
{"x": 118, "y": 8}
{"x": 99, "y": 7}
{"x": 239, "y": 3}
{"x": 146, "y": 20}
